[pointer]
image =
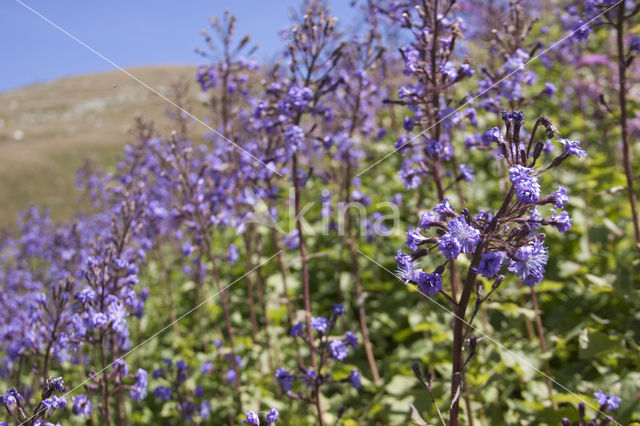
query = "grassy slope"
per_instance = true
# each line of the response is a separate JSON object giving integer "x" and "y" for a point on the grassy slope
{"x": 67, "y": 120}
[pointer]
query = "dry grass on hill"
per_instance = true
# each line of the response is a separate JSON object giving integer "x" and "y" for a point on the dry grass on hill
{"x": 47, "y": 130}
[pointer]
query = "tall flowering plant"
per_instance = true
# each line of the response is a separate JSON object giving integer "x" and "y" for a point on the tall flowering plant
{"x": 327, "y": 348}
{"x": 497, "y": 242}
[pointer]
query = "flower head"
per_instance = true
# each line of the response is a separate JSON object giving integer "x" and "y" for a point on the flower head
{"x": 414, "y": 239}
{"x": 527, "y": 186}
{"x": 466, "y": 235}
{"x": 467, "y": 173}
{"x": 338, "y": 350}
{"x": 572, "y": 147}
{"x": 449, "y": 246}
{"x": 163, "y": 393}
{"x": 406, "y": 266}
{"x": 320, "y": 324}
{"x": 296, "y": 329}
{"x": 82, "y": 406}
{"x": 139, "y": 390}
{"x": 427, "y": 220}
{"x": 607, "y": 402}
{"x": 350, "y": 339}
{"x": 354, "y": 378}
{"x": 272, "y": 416}
{"x": 561, "y": 221}
{"x": 252, "y": 418}
{"x": 338, "y": 309}
{"x": 429, "y": 284}
{"x": 560, "y": 197}
{"x": 530, "y": 261}
{"x": 490, "y": 264}
{"x": 231, "y": 375}
{"x": 285, "y": 378}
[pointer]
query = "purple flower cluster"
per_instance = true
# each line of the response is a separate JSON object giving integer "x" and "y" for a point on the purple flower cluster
{"x": 506, "y": 236}
{"x": 253, "y": 418}
{"x": 190, "y": 404}
{"x": 328, "y": 346}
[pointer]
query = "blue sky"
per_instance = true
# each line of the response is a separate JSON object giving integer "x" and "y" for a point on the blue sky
{"x": 129, "y": 32}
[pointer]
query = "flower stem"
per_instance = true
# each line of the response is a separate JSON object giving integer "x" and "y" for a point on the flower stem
{"x": 303, "y": 257}
{"x": 355, "y": 273}
{"x": 622, "y": 95}
{"x": 458, "y": 337}
{"x": 105, "y": 383}
{"x": 543, "y": 346}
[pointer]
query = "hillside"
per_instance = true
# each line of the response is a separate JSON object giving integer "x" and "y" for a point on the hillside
{"x": 48, "y": 129}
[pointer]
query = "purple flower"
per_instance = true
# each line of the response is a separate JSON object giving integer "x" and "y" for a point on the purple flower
{"x": 298, "y": 97}
{"x": 444, "y": 209}
{"x": 338, "y": 350}
{"x": 187, "y": 249}
{"x": 163, "y": 393}
{"x": 320, "y": 324}
{"x": 285, "y": 378}
{"x": 294, "y": 135}
{"x": 11, "y": 397}
{"x": 581, "y": 30}
{"x": 408, "y": 124}
{"x": 562, "y": 221}
{"x": 449, "y": 70}
{"x": 120, "y": 365}
{"x": 54, "y": 403}
{"x": 490, "y": 264}
{"x": 86, "y": 295}
{"x": 354, "y": 378}
{"x": 252, "y": 418}
{"x": 449, "y": 246}
{"x": 58, "y": 384}
{"x": 232, "y": 253}
{"x": 351, "y": 339}
{"x": 519, "y": 174}
{"x": 607, "y": 402}
{"x": 466, "y": 70}
{"x": 549, "y": 89}
{"x": 634, "y": 44}
{"x": 207, "y": 367}
{"x": 527, "y": 186}
{"x": 466, "y": 235}
{"x": 411, "y": 58}
{"x": 406, "y": 266}
{"x": 572, "y": 147}
{"x": 309, "y": 377}
{"x": 231, "y": 375}
{"x": 529, "y": 263}
{"x": 467, "y": 173}
{"x": 205, "y": 409}
{"x": 429, "y": 284}
{"x": 560, "y": 197}
{"x": 82, "y": 406}
{"x": 492, "y": 135}
{"x": 414, "y": 239}
{"x": 292, "y": 241}
{"x": 296, "y": 329}
{"x": 338, "y": 309}
{"x": 139, "y": 390}
{"x": 98, "y": 319}
{"x": 198, "y": 391}
{"x": 435, "y": 148}
{"x": 272, "y": 416}
{"x": 427, "y": 220}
